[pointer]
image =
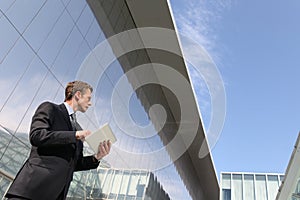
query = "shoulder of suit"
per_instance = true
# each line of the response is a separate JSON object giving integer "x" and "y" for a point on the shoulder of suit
{"x": 49, "y": 105}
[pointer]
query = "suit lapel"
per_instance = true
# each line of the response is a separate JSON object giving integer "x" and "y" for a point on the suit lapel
{"x": 66, "y": 115}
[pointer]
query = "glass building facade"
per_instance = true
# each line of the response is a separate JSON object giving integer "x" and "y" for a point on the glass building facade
{"x": 249, "y": 186}
{"x": 103, "y": 183}
{"x": 117, "y": 184}
{"x": 47, "y": 43}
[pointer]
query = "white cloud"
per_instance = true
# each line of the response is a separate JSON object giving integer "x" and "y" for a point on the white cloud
{"x": 198, "y": 21}
{"x": 21, "y": 103}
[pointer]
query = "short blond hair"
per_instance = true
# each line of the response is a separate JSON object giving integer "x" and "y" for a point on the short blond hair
{"x": 74, "y": 86}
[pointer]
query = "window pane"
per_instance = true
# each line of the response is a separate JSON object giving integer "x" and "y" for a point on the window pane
{"x": 56, "y": 39}
{"x": 272, "y": 186}
{"x": 237, "y": 188}
{"x": 226, "y": 194}
{"x": 249, "y": 186}
{"x": 94, "y": 34}
{"x": 261, "y": 189}
{"x": 19, "y": 102}
{"x": 5, "y": 139}
{"x": 23, "y": 11}
{"x": 226, "y": 178}
{"x": 8, "y": 37}
{"x": 85, "y": 20}
{"x": 12, "y": 70}
{"x": 6, "y": 5}
{"x": 43, "y": 24}
{"x": 15, "y": 155}
{"x": 76, "y": 8}
{"x": 68, "y": 53}
{"x": 124, "y": 183}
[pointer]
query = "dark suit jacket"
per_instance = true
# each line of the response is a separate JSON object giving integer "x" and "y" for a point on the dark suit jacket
{"x": 54, "y": 156}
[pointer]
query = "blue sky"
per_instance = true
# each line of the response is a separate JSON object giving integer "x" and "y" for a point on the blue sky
{"x": 256, "y": 47}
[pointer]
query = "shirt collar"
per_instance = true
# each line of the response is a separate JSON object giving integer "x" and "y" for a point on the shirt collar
{"x": 69, "y": 108}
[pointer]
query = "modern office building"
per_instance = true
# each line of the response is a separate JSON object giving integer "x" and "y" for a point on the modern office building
{"x": 290, "y": 187}
{"x": 264, "y": 186}
{"x": 105, "y": 183}
{"x": 249, "y": 186}
{"x": 121, "y": 47}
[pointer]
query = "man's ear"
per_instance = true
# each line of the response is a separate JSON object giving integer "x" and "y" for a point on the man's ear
{"x": 77, "y": 95}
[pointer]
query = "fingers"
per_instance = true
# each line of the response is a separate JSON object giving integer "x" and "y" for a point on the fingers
{"x": 80, "y": 135}
{"x": 104, "y": 149}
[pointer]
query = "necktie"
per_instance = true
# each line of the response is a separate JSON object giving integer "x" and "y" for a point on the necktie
{"x": 73, "y": 121}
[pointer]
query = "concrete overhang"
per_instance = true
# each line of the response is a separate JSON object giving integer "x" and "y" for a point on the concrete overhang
{"x": 291, "y": 182}
{"x": 197, "y": 173}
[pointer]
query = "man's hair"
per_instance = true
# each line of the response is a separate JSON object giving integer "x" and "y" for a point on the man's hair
{"x": 74, "y": 86}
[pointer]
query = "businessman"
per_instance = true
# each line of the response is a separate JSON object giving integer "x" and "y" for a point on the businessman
{"x": 57, "y": 145}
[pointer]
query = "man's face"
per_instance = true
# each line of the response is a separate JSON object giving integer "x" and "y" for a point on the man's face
{"x": 84, "y": 100}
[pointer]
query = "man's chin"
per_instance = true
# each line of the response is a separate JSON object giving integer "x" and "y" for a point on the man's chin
{"x": 83, "y": 110}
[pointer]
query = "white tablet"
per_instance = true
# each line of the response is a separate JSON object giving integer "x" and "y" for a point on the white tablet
{"x": 103, "y": 133}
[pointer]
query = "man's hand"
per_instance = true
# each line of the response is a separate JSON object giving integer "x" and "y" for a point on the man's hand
{"x": 103, "y": 150}
{"x": 80, "y": 135}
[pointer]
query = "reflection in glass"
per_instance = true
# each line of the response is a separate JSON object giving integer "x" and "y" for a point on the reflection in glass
{"x": 43, "y": 24}
{"x": 58, "y": 36}
{"x": 21, "y": 13}
{"x": 10, "y": 35}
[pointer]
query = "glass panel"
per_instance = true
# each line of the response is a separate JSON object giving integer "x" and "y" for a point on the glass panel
{"x": 107, "y": 182}
{"x": 85, "y": 20}
{"x": 5, "y": 139}
{"x": 133, "y": 183}
{"x": 226, "y": 193}
{"x": 4, "y": 183}
{"x": 8, "y": 37}
{"x": 12, "y": 70}
{"x": 102, "y": 100}
{"x": 19, "y": 102}
{"x": 6, "y": 5}
{"x": 22, "y": 13}
{"x": 226, "y": 178}
{"x": 101, "y": 176}
{"x": 114, "y": 72}
{"x": 48, "y": 89}
{"x": 272, "y": 186}
{"x": 15, "y": 155}
{"x": 94, "y": 34}
{"x": 124, "y": 183}
{"x": 121, "y": 196}
{"x": 260, "y": 187}
{"x": 76, "y": 8}
{"x": 65, "y": 2}
{"x": 249, "y": 186}
{"x": 57, "y": 38}
{"x": 117, "y": 182}
{"x": 101, "y": 38}
{"x": 237, "y": 187}
{"x": 75, "y": 63}
{"x": 67, "y": 54}
{"x": 43, "y": 24}
{"x": 281, "y": 178}
{"x": 77, "y": 188}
